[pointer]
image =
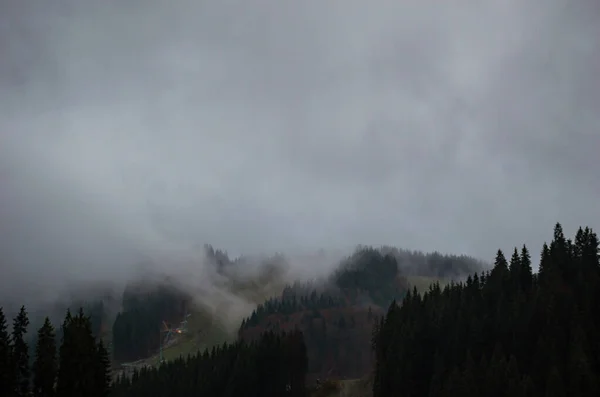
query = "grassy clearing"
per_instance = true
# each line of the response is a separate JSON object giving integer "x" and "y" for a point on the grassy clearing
{"x": 422, "y": 282}
{"x": 203, "y": 333}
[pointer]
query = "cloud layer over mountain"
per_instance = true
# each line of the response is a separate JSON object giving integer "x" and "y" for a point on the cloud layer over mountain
{"x": 142, "y": 129}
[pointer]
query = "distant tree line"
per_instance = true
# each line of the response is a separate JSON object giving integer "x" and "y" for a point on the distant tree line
{"x": 289, "y": 305}
{"x": 78, "y": 367}
{"x": 367, "y": 277}
{"x": 273, "y": 366}
{"x": 433, "y": 264}
{"x": 506, "y": 332}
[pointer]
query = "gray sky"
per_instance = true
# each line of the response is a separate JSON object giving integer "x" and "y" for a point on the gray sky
{"x": 143, "y": 128}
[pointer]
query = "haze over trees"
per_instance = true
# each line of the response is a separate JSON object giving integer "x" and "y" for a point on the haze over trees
{"x": 507, "y": 331}
{"x": 335, "y": 313}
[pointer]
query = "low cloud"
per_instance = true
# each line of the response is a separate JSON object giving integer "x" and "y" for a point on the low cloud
{"x": 140, "y": 130}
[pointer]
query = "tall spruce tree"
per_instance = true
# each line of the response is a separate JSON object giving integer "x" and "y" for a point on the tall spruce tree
{"x": 45, "y": 366}
{"x": 526, "y": 272}
{"x": 6, "y": 372}
{"x": 67, "y": 369}
{"x": 515, "y": 270}
{"x": 20, "y": 354}
{"x": 102, "y": 371}
{"x": 78, "y": 367}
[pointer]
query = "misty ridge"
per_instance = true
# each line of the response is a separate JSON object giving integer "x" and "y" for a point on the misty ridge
{"x": 226, "y": 290}
{"x": 234, "y": 298}
{"x": 271, "y": 128}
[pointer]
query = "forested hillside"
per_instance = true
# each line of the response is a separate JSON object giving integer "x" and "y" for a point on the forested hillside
{"x": 505, "y": 332}
{"x": 337, "y": 315}
{"x": 358, "y": 289}
{"x": 78, "y": 365}
{"x": 160, "y": 300}
{"x": 274, "y": 365}
{"x": 434, "y": 264}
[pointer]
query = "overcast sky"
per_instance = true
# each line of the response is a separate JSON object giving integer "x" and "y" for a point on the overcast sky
{"x": 141, "y": 128}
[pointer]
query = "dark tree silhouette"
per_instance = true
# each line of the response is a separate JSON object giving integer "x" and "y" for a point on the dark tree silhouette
{"x": 506, "y": 332}
{"x": 20, "y": 354}
{"x": 273, "y": 366}
{"x": 81, "y": 366}
{"x": 103, "y": 378}
{"x": 6, "y": 372}
{"x": 45, "y": 366}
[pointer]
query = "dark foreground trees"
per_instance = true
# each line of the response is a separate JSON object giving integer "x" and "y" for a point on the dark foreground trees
{"x": 507, "y": 332}
{"x": 83, "y": 369}
{"x": 275, "y": 365}
{"x": 82, "y": 363}
{"x": 6, "y": 376}
{"x": 20, "y": 355}
{"x": 45, "y": 365}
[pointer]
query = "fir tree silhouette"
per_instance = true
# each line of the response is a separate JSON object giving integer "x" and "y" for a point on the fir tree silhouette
{"x": 45, "y": 366}
{"x": 20, "y": 354}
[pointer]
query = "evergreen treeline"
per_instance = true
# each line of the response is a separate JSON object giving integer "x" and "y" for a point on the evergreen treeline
{"x": 94, "y": 309}
{"x": 507, "y": 332}
{"x": 291, "y": 304}
{"x": 80, "y": 367}
{"x": 366, "y": 277}
{"x": 433, "y": 264}
{"x": 275, "y": 365}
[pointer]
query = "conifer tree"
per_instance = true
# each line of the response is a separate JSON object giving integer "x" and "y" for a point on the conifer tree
{"x": 546, "y": 269}
{"x": 102, "y": 371}
{"x": 45, "y": 366}
{"x": 20, "y": 354}
{"x": 80, "y": 368}
{"x": 6, "y": 372}
{"x": 579, "y": 244}
{"x": 67, "y": 372}
{"x": 76, "y": 370}
{"x": 499, "y": 274}
{"x": 515, "y": 271}
{"x": 591, "y": 252}
{"x": 526, "y": 272}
